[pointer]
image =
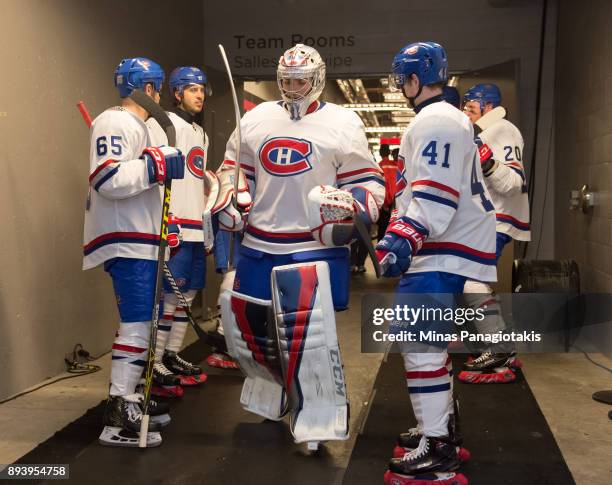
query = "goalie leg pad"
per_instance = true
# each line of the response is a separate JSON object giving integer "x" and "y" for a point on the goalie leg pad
{"x": 310, "y": 356}
{"x": 245, "y": 326}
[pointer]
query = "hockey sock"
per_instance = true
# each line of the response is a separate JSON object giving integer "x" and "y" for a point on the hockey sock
{"x": 165, "y": 325}
{"x": 129, "y": 356}
{"x": 179, "y": 324}
{"x": 429, "y": 385}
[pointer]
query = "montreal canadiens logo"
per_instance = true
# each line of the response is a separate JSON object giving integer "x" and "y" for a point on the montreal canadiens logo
{"x": 284, "y": 157}
{"x": 195, "y": 161}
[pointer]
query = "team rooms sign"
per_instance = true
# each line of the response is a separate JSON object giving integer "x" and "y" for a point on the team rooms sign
{"x": 262, "y": 53}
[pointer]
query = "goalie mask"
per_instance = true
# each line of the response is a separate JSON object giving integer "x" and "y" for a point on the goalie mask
{"x": 330, "y": 215}
{"x": 301, "y": 78}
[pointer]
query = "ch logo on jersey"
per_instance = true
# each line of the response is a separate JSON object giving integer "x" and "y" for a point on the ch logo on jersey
{"x": 284, "y": 157}
{"x": 195, "y": 162}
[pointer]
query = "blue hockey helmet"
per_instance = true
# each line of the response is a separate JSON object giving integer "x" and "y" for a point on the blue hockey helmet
{"x": 484, "y": 94}
{"x": 425, "y": 59}
{"x": 451, "y": 96}
{"x": 135, "y": 72}
{"x": 186, "y": 75}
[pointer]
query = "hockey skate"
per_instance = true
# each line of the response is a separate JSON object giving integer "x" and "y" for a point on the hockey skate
{"x": 122, "y": 419}
{"x": 221, "y": 361}
{"x": 434, "y": 461}
{"x": 158, "y": 411}
{"x": 407, "y": 442}
{"x": 165, "y": 383}
{"x": 188, "y": 373}
{"x": 490, "y": 368}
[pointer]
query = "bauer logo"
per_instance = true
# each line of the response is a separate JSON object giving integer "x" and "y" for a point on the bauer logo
{"x": 284, "y": 157}
{"x": 195, "y": 162}
{"x": 412, "y": 50}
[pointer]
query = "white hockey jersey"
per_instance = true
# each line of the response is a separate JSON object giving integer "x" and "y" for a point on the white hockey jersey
{"x": 507, "y": 184}
{"x": 187, "y": 201}
{"x": 441, "y": 188}
{"x": 124, "y": 212}
{"x": 284, "y": 159}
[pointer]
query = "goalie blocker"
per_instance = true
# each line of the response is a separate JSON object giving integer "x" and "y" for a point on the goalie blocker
{"x": 291, "y": 360}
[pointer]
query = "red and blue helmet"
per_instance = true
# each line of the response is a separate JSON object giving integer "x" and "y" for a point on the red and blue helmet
{"x": 484, "y": 94}
{"x": 136, "y": 72}
{"x": 187, "y": 75}
{"x": 425, "y": 59}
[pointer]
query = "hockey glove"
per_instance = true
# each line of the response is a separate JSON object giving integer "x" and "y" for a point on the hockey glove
{"x": 487, "y": 162}
{"x": 164, "y": 163}
{"x": 404, "y": 238}
{"x": 175, "y": 236}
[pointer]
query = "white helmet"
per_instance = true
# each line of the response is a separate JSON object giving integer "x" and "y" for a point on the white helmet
{"x": 301, "y": 62}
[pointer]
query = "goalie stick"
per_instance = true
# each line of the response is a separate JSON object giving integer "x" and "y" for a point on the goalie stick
{"x": 237, "y": 161}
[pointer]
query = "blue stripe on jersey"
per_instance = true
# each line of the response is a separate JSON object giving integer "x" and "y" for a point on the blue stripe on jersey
{"x": 186, "y": 225}
{"x": 106, "y": 177}
{"x": 517, "y": 171}
{"x": 434, "y": 198}
{"x": 134, "y": 240}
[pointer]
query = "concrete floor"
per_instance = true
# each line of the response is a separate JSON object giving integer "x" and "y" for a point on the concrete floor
{"x": 561, "y": 383}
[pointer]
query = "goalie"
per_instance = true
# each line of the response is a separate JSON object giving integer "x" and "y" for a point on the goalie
{"x": 310, "y": 173}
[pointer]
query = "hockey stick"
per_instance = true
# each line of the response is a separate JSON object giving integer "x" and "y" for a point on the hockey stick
{"x": 202, "y": 335}
{"x": 84, "y": 113}
{"x": 489, "y": 119}
{"x": 366, "y": 240}
{"x": 164, "y": 121}
{"x": 87, "y": 119}
{"x": 237, "y": 161}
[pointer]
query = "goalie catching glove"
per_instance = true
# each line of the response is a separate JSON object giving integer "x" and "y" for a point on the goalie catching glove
{"x": 331, "y": 212}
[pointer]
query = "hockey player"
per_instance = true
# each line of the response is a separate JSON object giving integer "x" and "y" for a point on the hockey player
{"x": 501, "y": 157}
{"x": 443, "y": 236}
{"x": 389, "y": 168}
{"x": 310, "y": 173}
{"x": 122, "y": 233}
{"x": 188, "y": 86}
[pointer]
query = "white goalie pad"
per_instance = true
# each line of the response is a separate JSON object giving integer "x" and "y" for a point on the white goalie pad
{"x": 247, "y": 334}
{"x": 330, "y": 215}
{"x": 310, "y": 356}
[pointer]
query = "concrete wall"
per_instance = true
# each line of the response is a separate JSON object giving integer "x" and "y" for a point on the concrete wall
{"x": 583, "y": 132}
{"x": 584, "y": 138}
{"x": 55, "y": 53}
